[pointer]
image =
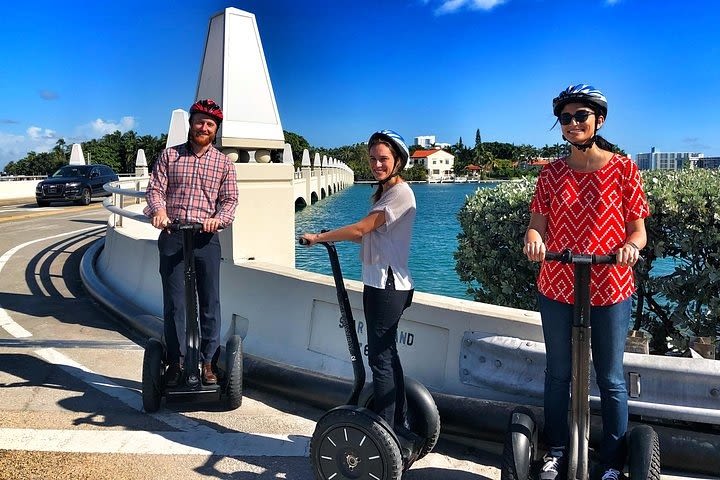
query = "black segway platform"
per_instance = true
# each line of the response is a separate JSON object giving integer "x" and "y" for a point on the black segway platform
{"x": 227, "y": 361}
{"x": 521, "y": 440}
{"x": 352, "y": 441}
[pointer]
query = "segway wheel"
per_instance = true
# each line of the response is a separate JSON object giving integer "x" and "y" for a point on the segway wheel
{"x": 644, "y": 453}
{"x": 520, "y": 446}
{"x": 349, "y": 443}
{"x": 234, "y": 375}
{"x": 422, "y": 413}
{"x": 152, "y": 381}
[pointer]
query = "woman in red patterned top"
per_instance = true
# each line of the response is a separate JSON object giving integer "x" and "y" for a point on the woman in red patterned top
{"x": 591, "y": 202}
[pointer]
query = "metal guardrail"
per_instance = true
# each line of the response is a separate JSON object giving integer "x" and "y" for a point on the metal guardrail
{"x": 115, "y": 203}
{"x": 21, "y": 178}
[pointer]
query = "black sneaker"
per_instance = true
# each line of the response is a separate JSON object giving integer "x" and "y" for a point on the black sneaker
{"x": 173, "y": 375}
{"x": 552, "y": 468}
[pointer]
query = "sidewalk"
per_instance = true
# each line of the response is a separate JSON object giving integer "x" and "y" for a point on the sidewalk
{"x": 17, "y": 201}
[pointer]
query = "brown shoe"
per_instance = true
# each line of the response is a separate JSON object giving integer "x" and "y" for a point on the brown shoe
{"x": 208, "y": 376}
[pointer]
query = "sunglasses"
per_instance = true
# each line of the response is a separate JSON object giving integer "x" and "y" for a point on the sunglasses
{"x": 580, "y": 116}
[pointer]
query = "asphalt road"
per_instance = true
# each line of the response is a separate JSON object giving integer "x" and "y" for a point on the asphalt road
{"x": 70, "y": 406}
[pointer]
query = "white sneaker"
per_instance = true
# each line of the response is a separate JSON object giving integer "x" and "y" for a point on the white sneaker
{"x": 551, "y": 467}
{"x": 612, "y": 474}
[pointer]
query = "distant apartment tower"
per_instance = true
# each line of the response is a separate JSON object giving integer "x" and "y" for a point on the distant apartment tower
{"x": 667, "y": 160}
{"x": 425, "y": 141}
{"x": 709, "y": 162}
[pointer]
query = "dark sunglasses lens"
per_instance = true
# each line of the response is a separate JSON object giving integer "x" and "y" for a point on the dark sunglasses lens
{"x": 580, "y": 117}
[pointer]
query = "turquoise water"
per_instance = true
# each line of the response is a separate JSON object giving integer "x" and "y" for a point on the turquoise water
{"x": 434, "y": 236}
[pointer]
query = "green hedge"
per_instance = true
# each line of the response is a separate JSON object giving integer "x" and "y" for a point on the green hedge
{"x": 672, "y": 304}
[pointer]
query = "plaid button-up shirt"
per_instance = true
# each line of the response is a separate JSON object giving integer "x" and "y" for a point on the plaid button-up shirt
{"x": 192, "y": 188}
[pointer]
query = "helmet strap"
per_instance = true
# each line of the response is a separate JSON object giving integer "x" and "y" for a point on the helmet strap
{"x": 393, "y": 174}
{"x": 581, "y": 146}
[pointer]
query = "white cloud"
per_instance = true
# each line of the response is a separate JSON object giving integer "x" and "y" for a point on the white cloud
{"x": 13, "y": 147}
{"x": 37, "y": 133}
{"x": 7, "y": 140}
{"x": 486, "y": 4}
{"x": 99, "y": 127}
{"x": 612, "y": 2}
{"x": 451, "y": 6}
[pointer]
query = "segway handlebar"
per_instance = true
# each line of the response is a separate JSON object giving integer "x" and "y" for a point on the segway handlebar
{"x": 566, "y": 256}
{"x": 347, "y": 322}
{"x": 177, "y": 226}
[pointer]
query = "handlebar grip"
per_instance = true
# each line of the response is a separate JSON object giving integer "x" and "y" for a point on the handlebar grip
{"x": 566, "y": 256}
{"x": 604, "y": 259}
{"x": 177, "y": 226}
{"x": 303, "y": 241}
{"x": 554, "y": 256}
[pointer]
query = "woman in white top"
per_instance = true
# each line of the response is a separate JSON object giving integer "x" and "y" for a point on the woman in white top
{"x": 384, "y": 235}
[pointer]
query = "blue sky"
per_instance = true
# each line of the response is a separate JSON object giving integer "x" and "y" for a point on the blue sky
{"x": 341, "y": 69}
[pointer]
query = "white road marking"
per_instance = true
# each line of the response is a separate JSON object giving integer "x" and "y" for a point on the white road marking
{"x": 26, "y": 210}
{"x": 153, "y": 443}
{"x": 6, "y": 322}
{"x": 128, "y": 396}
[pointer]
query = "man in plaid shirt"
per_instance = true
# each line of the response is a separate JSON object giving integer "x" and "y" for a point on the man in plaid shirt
{"x": 192, "y": 183}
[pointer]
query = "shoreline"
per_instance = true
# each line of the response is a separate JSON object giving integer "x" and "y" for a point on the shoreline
{"x": 370, "y": 182}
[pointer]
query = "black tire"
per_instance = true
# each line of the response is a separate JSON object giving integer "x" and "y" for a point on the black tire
{"x": 234, "y": 374}
{"x": 422, "y": 413}
{"x": 520, "y": 446}
{"x": 43, "y": 203}
{"x": 86, "y": 197}
{"x": 644, "y": 453}
{"x": 152, "y": 376}
{"x": 350, "y": 443}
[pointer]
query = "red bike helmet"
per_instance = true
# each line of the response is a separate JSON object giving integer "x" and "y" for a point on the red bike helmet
{"x": 208, "y": 107}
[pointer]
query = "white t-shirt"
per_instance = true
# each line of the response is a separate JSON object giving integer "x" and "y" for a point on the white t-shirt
{"x": 389, "y": 245}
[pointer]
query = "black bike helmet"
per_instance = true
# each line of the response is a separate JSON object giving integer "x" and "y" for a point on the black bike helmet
{"x": 581, "y": 93}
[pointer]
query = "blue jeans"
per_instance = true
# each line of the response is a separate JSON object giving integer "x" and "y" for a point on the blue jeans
{"x": 609, "y": 329}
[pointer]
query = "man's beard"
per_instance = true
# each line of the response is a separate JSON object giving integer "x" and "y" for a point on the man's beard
{"x": 201, "y": 140}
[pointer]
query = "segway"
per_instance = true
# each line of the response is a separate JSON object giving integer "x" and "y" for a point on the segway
{"x": 521, "y": 440}
{"x": 227, "y": 361}
{"x": 353, "y": 442}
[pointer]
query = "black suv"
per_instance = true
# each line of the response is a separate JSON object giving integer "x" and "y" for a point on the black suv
{"x": 78, "y": 183}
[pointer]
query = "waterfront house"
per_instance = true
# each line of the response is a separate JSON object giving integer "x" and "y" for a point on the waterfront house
{"x": 438, "y": 163}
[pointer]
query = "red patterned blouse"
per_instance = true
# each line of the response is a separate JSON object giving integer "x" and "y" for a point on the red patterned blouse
{"x": 587, "y": 213}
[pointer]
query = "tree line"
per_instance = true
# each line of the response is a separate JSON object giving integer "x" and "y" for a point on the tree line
{"x": 116, "y": 150}
{"x": 119, "y": 151}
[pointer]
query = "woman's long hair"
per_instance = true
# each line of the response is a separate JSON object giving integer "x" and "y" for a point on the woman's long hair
{"x": 396, "y": 165}
{"x": 604, "y": 144}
